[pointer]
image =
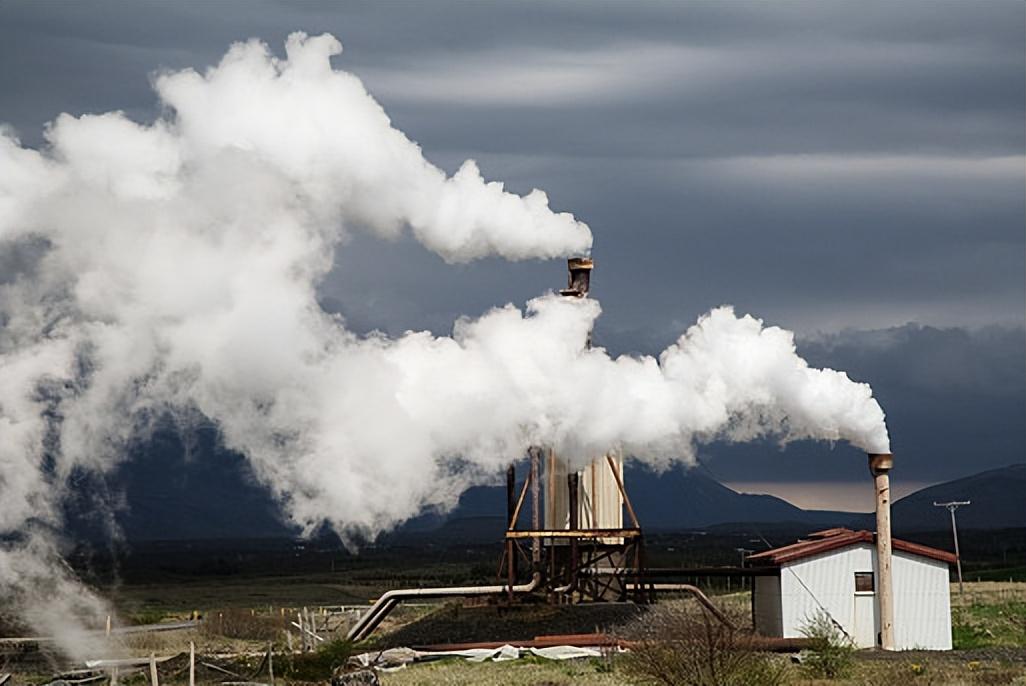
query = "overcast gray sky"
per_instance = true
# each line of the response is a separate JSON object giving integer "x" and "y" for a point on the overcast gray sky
{"x": 852, "y": 171}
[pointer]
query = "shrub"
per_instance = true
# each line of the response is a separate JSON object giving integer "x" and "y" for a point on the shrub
{"x": 319, "y": 664}
{"x": 149, "y": 616}
{"x": 241, "y": 623}
{"x": 832, "y": 654}
{"x": 685, "y": 645}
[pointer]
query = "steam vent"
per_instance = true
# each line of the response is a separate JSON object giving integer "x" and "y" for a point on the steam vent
{"x": 581, "y": 549}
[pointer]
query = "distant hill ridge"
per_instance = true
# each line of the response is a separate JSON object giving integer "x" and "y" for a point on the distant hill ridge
{"x": 998, "y": 501}
{"x": 168, "y": 496}
{"x": 692, "y": 499}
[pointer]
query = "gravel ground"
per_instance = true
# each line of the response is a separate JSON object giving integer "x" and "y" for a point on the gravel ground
{"x": 456, "y": 624}
{"x": 1012, "y": 655}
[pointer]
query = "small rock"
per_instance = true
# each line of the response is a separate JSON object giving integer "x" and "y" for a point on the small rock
{"x": 363, "y": 677}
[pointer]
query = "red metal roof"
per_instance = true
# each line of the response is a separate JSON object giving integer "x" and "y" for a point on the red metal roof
{"x": 834, "y": 539}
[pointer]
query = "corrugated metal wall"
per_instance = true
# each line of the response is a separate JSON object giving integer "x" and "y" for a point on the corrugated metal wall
{"x": 766, "y": 606}
{"x": 822, "y": 583}
{"x": 922, "y": 606}
{"x": 557, "y": 511}
{"x": 922, "y": 603}
{"x": 600, "y": 505}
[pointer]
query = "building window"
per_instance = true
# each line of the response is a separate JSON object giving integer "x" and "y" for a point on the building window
{"x": 863, "y": 582}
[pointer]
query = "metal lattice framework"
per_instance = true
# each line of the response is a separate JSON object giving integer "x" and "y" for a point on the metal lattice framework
{"x": 575, "y": 564}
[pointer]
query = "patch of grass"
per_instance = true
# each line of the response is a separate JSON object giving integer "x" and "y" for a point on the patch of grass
{"x": 515, "y": 673}
{"x": 933, "y": 671}
{"x": 966, "y": 636}
{"x": 986, "y": 623}
{"x": 237, "y": 622}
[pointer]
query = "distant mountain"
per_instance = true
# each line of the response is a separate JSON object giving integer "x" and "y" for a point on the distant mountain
{"x": 690, "y": 498}
{"x": 681, "y": 499}
{"x": 170, "y": 491}
{"x": 167, "y": 490}
{"x": 674, "y": 500}
{"x": 998, "y": 501}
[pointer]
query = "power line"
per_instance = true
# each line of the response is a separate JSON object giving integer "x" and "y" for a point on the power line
{"x": 951, "y": 507}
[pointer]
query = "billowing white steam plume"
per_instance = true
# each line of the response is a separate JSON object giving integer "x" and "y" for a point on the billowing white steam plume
{"x": 176, "y": 272}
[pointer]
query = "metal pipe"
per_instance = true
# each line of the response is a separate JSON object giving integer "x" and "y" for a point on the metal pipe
{"x": 560, "y": 590}
{"x": 880, "y": 465}
{"x": 511, "y": 496}
{"x": 573, "y": 484}
{"x": 535, "y": 507}
{"x": 699, "y": 596}
{"x": 389, "y": 600}
{"x": 512, "y": 509}
{"x": 515, "y": 516}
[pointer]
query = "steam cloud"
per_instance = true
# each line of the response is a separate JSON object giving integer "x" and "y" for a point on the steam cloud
{"x": 172, "y": 269}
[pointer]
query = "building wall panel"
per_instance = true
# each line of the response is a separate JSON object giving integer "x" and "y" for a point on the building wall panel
{"x": 766, "y": 606}
{"x": 599, "y": 502}
{"x": 922, "y": 605}
{"x": 822, "y": 583}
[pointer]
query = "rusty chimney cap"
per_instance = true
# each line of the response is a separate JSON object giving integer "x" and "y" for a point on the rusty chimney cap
{"x": 579, "y": 278}
{"x": 576, "y": 263}
{"x": 880, "y": 463}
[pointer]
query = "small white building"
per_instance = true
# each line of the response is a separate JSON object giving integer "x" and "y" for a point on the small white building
{"x": 834, "y": 571}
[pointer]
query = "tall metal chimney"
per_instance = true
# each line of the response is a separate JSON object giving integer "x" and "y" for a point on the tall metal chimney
{"x": 880, "y": 465}
{"x": 579, "y": 278}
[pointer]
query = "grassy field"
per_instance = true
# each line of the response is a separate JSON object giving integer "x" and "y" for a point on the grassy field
{"x": 989, "y": 631}
{"x": 523, "y": 672}
{"x": 989, "y": 614}
{"x": 879, "y": 673}
{"x": 247, "y": 592}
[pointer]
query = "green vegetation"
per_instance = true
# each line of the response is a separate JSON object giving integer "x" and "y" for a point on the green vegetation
{"x": 516, "y": 673}
{"x": 832, "y": 655}
{"x": 237, "y": 622}
{"x": 989, "y": 623}
{"x": 147, "y": 616}
{"x": 1000, "y": 574}
{"x": 682, "y": 643}
{"x": 242, "y": 612}
{"x": 319, "y": 664}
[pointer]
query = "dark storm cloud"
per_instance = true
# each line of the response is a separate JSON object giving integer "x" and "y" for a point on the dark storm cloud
{"x": 825, "y": 165}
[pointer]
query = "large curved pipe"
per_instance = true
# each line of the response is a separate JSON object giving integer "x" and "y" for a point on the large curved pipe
{"x": 387, "y": 602}
{"x": 697, "y": 593}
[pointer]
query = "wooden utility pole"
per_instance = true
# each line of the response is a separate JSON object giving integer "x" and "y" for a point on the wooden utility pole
{"x": 952, "y": 506}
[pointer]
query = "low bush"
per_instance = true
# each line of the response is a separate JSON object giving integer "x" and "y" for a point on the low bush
{"x": 686, "y": 645}
{"x": 832, "y": 655}
{"x": 319, "y": 664}
{"x": 241, "y": 623}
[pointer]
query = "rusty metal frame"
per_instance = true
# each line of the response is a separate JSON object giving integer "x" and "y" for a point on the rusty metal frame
{"x": 575, "y": 533}
{"x": 566, "y": 569}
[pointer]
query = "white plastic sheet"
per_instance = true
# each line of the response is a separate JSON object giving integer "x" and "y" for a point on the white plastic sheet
{"x": 397, "y": 658}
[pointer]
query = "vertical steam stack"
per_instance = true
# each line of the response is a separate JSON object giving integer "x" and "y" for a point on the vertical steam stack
{"x": 880, "y": 465}
{"x": 579, "y": 278}
{"x": 599, "y": 502}
{"x": 581, "y": 551}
